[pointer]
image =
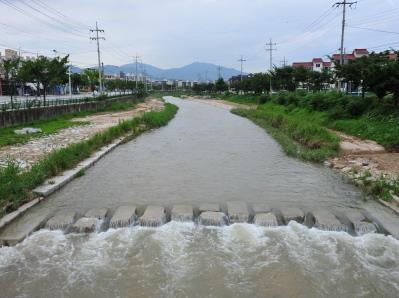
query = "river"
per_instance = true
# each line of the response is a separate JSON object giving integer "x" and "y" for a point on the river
{"x": 206, "y": 154}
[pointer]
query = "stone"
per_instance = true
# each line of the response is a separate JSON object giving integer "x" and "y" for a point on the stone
{"x": 361, "y": 225}
{"x": 61, "y": 221}
{"x": 209, "y": 207}
{"x": 266, "y": 219}
{"x": 212, "y": 218}
{"x": 182, "y": 213}
{"x": 324, "y": 220}
{"x": 99, "y": 213}
{"x": 124, "y": 216}
{"x": 261, "y": 208}
{"x": 238, "y": 212}
{"x": 27, "y": 130}
{"x": 153, "y": 216}
{"x": 85, "y": 225}
{"x": 292, "y": 213}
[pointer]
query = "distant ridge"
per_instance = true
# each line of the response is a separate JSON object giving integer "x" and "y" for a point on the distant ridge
{"x": 196, "y": 71}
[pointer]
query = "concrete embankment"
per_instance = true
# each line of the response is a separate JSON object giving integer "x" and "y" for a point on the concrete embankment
{"x": 355, "y": 223}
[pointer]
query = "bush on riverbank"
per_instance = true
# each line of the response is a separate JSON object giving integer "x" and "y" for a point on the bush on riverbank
{"x": 368, "y": 118}
{"x": 298, "y": 136}
{"x": 15, "y": 184}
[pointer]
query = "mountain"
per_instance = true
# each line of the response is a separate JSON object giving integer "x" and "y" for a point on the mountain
{"x": 196, "y": 71}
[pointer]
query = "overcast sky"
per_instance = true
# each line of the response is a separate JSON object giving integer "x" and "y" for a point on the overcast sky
{"x": 172, "y": 33}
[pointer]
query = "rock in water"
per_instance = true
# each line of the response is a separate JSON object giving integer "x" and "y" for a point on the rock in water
{"x": 153, "y": 216}
{"x": 182, "y": 213}
{"x": 266, "y": 220}
{"x": 211, "y": 218}
{"x": 124, "y": 216}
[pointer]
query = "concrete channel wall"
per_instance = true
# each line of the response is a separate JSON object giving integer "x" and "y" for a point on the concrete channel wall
{"x": 356, "y": 223}
{"x": 23, "y": 116}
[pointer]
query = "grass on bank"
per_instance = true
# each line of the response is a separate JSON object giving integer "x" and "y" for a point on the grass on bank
{"x": 51, "y": 126}
{"x": 15, "y": 184}
{"x": 299, "y": 137}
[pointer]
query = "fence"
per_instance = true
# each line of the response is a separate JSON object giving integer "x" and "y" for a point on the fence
{"x": 27, "y": 113}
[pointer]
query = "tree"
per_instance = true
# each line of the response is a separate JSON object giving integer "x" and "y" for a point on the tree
{"x": 221, "y": 86}
{"x": 11, "y": 69}
{"x": 76, "y": 80}
{"x": 90, "y": 78}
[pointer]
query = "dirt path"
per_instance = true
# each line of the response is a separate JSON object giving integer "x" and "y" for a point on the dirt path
{"x": 28, "y": 153}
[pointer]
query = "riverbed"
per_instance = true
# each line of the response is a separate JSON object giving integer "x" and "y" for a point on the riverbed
{"x": 206, "y": 154}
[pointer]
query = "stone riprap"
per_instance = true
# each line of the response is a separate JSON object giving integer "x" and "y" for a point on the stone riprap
{"x": 153, "y": 216}
{"x": 61, "y": 221}
{"x": 182, "y": 213}
{"x": 292, "y": 213}
{"x": 124, "y": 216}
{"x": 266, "y": 220}
{"x": 238, "y": 212}
{"x": 211, "y": 218}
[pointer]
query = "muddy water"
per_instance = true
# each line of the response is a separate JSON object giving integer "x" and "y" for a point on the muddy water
{"x": 205, "y": 154}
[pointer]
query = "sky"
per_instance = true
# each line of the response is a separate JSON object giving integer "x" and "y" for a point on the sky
{"x": 173, "y": 33}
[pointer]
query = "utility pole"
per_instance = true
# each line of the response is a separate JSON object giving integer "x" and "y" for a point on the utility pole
{"x": 97, "y": 38}
{"x": 284, "y": 62}
{"x": 70, "y": 81}
{"x": 241, "y": 60}
{"x": 137, "y": 58}
{"x": 270, "y": 49}
{"x": 219, "y": 72}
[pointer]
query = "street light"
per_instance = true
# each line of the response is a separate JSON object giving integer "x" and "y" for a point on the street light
{"x": 69, "y": 75}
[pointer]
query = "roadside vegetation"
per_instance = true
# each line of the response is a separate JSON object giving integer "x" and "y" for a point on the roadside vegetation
{"x": 16, "y": 184}
{"x": 51, "y": 126}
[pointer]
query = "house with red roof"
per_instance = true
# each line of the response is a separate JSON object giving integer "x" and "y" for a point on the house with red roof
{"x": 317, "y": 64}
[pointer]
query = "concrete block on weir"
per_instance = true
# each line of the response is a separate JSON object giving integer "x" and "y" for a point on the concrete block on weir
{"x": 292, "y": 213}
{"x": 99, "y": 213}
{"x": 124, "y": 216}
{"x": 211, "y": 218}
{"x": 360, "y": 224}
{"x": 154, "y": 216}
{"x": 209, "y": 207}
{"x": 85, "y": 225}
{"x": 238, "y": 212}
{"x": 182, "y": 213}
{"x": 327, "y": 221}
{"x": 61, "y": 221}
{"x": 268, "y": 219}
{"x": 261, "y": 208}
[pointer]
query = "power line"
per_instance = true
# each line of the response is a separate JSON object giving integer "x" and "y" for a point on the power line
{"x": 372, "y": 29}
{"x": 241, "y": 60}
{"x": 97, "y": 39}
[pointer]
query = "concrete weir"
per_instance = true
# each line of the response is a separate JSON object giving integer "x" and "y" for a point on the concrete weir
{"x": 85, "y": 225}
{"x": 266, "y": 219}
{"x": 360, "y": 224}
{"x": 238, "y": 212}
{"x": 182, "y": 213}
{"x": 292, "y": 213}
{"x": 61, "y": 221}
{"x": 209, "y": 207}
{"x": 153, "y": 216}
{"x": 124, "y": 216}
{"x": 211, "y": 218}
{"x": 326, "y": 221}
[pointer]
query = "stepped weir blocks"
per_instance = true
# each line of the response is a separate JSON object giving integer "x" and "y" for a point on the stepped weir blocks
{"x": 85, "y": 225}
{"x": 124, "y": 216}
{"x": 361, "y": 225}
{"x": 261, "y": 208}
{"x": 209, "y": 207}
{"x": 327, "y": 221}
{"x": 266, "y": 219}
{"x": 154, "y": 216}
{"x": 238, "y": 212}
{"x": 99, "y": 213}
{"x": 292, "y": 213}
{"x": 182, "y": 213}
{"x": 61, "y": 221}
{"x": 211, "y": 218}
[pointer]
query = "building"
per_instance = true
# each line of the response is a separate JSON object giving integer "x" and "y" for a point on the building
{"x": 10, "y": 54}
{"x": 317, "y": 64}
{"x": 357, "y": 53}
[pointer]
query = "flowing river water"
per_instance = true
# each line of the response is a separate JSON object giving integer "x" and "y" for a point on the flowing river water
{"x": 206, "y": 154}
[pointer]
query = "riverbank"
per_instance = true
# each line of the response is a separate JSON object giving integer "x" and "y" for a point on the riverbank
{"x": 17, "y": 183}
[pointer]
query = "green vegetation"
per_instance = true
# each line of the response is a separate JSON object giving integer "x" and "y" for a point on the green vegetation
{"x": 8, "y": 137}
{"x": 298, "y": 136}
{"x": 382, "y": 188}
{"x": 15, "y": 184}
{"x": 247, "y": 99}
